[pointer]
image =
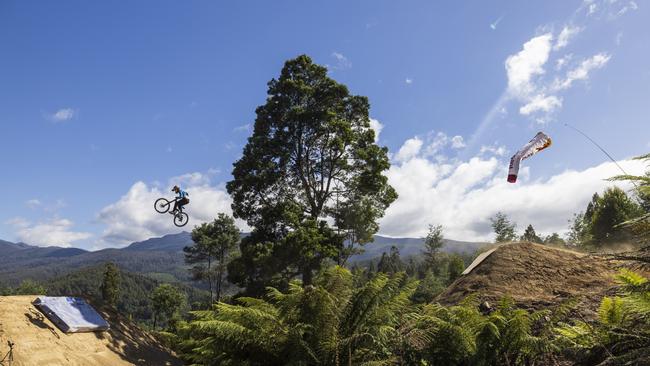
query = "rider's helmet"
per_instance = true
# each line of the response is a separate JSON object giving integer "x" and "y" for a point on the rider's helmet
{"x": 175, "y": 189}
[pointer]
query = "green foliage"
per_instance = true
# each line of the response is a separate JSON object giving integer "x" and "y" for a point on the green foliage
{"x": 135, "y": 290}
{"x": 110, "y": 286}
{"x": 432, "y": 245}
{"x": 430, "y": 286}
{"x": 603, "y": 222}
{"x": 311, "y": 160}
{"x": 554, "y": 239}
{"x": 579, "y": 230}
{"x": 213, "y": 248}
{"x": 503, "y": 228}
{"x": 340, "y": 320}
{"x": 636, "y": 291}
{"x": 29, "y": 287}
{"x": 390, "y": 263}
{"x": 506, "y": 337}
{"x": 531, "y": 236}
{"x": 167, "y": 301}
{"x": 622, "y": 327}
{"x": 328, "y": 323}
{"x": 610, "y": 311}
{"x": 614, "y": 208}
{"x": 455, "y": 268}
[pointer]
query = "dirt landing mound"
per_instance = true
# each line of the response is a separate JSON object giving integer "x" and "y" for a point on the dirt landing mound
{"x": 536, "y": 276}
{"x": 39, "y": 342}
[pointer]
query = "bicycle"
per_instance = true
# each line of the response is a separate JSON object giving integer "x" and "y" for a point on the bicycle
{"x": 9, "y": 357}
{"x": 162, "y": 205}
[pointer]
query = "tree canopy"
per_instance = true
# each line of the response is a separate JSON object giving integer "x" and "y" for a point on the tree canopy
{"x": 503, "y": 228}
{"x": 310, "y": 180}
{"x": 213, "y": 247}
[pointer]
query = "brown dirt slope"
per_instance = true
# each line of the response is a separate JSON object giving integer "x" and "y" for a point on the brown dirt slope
{"x": 39, "y": 342}
{"x": 537, "y": 276}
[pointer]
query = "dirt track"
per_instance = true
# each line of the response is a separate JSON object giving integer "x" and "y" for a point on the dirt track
{"x": 537, "y": 276}
{"x": 39, "y": 342}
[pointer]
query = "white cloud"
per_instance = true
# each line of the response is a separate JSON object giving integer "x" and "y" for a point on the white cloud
{"x": 563, "y": 61}
{"x": 55, "y": 231}
{"x": 342, "y": 62}
{"x": 435, "y": 143}
{"x": 457, "y": 142}
{"x": 377, "y": 126}
{"x": 462, "y": 195}
{"x": 493, "y": 149}
{"x": 132, "y": 217}
{"x": 527, "y": 79}
{"x": 409, "y": 149}
{"x": 630, "y": 6}
{"x": 541, "y": 103}
{"x": 582, "y": 71}
{"x": 33, "y": 203}
{"x": 62, "y": 115}
{"x": 243, "y": 128}
{"x": 591, "y": 7}
{"x": 565, "y": 36}
{"x": 527, "y": 63}
{"x": 408, "y": 81}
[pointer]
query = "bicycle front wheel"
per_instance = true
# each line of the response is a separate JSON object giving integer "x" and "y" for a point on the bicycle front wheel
{"x": 161, "y": 205}
{"x": 181, "y": 219}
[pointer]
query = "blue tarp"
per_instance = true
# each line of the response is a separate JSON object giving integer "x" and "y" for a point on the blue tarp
{"x": 71, "y": 314}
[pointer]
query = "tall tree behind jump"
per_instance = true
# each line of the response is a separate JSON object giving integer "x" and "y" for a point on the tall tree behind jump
{"x": 110, "y": 286}
{"x": 213, "y": 246}
{"x": 311, "y": 161}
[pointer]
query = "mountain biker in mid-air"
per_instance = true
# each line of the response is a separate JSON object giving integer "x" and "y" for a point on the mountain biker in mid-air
{"x": 181, "y": 199}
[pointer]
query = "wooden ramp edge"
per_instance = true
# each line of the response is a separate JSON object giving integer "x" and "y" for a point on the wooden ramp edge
{"x": 478, "y": 260}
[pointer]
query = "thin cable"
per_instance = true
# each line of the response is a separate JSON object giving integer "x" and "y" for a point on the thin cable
{"x": 598, "y": 146}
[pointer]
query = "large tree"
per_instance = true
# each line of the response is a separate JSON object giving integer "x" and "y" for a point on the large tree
{"x": 214, "y": 244}
{"x": 310, "y": 180}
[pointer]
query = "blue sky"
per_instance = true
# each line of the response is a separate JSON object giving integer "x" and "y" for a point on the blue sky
{"x": 106, "y": 104}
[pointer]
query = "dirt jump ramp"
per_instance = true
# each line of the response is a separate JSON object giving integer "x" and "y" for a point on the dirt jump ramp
{"x": 38, "y": 342}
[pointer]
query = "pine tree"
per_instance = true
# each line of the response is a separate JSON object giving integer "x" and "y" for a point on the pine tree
{"x": 110, "y": 286}
{"x": 531, "y": 236}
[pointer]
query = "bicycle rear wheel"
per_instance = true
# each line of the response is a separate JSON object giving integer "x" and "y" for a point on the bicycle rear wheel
{"x": 181, "y": 219}
{"x": 161, "y": 205}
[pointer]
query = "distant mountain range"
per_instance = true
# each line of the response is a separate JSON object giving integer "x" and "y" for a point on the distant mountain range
{"x": 159, "y": 258}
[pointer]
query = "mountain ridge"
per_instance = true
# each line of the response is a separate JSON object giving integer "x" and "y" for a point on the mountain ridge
{"x": 159, "y": 257}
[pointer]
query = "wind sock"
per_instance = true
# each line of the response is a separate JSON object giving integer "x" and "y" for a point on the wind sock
{"x": 537, "y": 144}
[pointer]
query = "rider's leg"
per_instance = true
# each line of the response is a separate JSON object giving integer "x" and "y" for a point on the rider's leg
{"x": 182, "y": 203}
{"x": 175, "y": 206}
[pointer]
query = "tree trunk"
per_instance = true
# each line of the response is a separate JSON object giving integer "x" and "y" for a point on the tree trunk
{"x": 307, "y": 277}
{"x": 210, "y": 280}
{"x": 219, "y": 280}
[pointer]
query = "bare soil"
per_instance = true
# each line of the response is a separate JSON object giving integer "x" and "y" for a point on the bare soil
{"x": 538, "y": 276}
{"x": 39, "y": 342}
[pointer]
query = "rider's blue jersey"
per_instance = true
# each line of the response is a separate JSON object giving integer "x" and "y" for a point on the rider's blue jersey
{"x": 182, "y": 194}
